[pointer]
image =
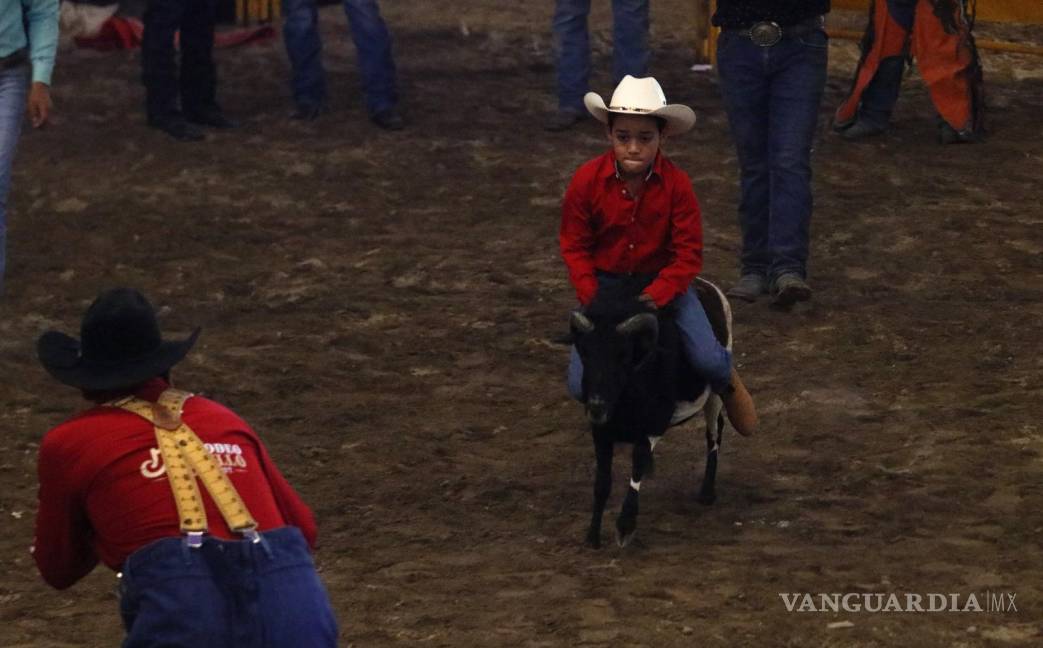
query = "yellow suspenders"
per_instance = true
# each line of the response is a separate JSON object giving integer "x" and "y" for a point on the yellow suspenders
{"x": 185, "y": 459}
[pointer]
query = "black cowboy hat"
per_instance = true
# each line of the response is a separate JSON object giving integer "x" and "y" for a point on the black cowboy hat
{"x": 119, "y": 346}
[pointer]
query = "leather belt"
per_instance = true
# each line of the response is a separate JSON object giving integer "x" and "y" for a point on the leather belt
{"x": 14, "y": 59}
{"x": 767, "y": 33}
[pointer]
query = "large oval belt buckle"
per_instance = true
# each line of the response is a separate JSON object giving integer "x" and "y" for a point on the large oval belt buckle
{"x": 766, "y": 33}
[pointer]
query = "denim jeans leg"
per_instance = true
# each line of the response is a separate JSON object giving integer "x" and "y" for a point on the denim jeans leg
{"x": 704, "y": 352}
{"x": 294, "y": 606}
{"x": 572, "y": 47}
{"x": 629, "y": 38}
{"x": 13, "y": 87}
{"x": 797, "y": 83}
{"x": 373, "y": 43}
{"x": 300, "y": 32}
{"x": 742, "y": 69}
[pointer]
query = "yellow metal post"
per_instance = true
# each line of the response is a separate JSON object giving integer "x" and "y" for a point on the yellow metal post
{"x": 712, "y": 33}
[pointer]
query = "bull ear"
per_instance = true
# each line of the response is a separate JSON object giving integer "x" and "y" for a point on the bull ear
{"x": 642, "y": 322}
{"x": 580, "y": 322}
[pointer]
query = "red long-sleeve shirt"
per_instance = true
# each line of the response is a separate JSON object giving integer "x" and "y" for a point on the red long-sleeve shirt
{"x": 604, "y": 228}
{"x": 104, "y": 491}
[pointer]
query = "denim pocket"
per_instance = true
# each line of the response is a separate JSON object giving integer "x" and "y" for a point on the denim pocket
{"x": 817, "y": 39}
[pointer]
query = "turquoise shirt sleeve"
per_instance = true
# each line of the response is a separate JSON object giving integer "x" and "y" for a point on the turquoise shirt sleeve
{"x": 42, "y": 16}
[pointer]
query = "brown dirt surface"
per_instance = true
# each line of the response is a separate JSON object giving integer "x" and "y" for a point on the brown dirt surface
{"x": 381, "y": 307}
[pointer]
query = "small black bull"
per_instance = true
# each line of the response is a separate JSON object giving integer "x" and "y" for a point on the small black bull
{"x": 633, "y": 376}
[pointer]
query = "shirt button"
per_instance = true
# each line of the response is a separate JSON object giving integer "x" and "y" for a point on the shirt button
{"x": 631, "y": 246}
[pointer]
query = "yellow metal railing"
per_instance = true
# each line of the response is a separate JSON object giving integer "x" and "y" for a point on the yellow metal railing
{"x": 250, "y": 12}
{"x": 1017, "y": 11}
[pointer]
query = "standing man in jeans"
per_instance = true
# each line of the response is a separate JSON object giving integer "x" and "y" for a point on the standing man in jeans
{"x": 572, "y": 47}
{"x": 376, "y": 65}
{"x": 20, "y": 51}
{"x": 771, "y": 59}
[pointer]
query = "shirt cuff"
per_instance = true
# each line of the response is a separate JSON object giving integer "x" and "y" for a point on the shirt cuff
{"x": 660, "y": 293}
{"x": 586, "y": 291}
{"x": 42, "y": 72}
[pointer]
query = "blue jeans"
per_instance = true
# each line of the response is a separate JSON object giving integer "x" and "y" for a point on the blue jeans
{"x": 772, "y": 96}
{"x": 572, "y": 45}
{"x": 372, "y": 41}
{"x": 225, "y": 594}
{"x": 701, "y": 348}
{"x": 13, "y": 90}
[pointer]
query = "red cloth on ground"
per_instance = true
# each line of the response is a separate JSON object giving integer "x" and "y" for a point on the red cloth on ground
{"x": 104, "y": 493}
{"x": 126, "y": 33}
{"x": 604, "y": 228}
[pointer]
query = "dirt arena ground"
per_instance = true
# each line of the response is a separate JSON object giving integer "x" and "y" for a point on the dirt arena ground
{"x": 381, "y": 307}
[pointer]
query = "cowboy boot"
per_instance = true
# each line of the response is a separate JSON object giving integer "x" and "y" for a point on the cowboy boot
{"x": 739, "y": 405}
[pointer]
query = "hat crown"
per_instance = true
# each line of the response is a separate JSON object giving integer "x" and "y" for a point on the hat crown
{"x": 637, "y": 95}
{"x": 119, "y": 326}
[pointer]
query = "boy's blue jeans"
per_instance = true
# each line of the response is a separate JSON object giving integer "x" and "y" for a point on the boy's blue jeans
{"x": 701, "y": 347}
{"x": 225, "y": 594}
{"x": 772, "y": 96}
{"x": 572, "y": 45}
{"x": 13, "y": 89}
{"x": 372, "y": 41}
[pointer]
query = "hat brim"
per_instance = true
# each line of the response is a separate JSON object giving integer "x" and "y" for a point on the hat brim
{"x": 678, "y": 117}
{"x": 60, "y": 356}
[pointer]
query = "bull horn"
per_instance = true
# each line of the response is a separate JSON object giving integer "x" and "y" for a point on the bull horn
{"x": 581, "y": 322}
{"x": 639, "y": 322}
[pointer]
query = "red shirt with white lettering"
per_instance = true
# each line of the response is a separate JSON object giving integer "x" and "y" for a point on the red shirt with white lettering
{"x": 604, "y": 228}
{"x": 104, "y": 491}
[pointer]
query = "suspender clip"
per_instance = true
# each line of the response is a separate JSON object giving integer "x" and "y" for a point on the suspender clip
{"x": 194, "y": 539}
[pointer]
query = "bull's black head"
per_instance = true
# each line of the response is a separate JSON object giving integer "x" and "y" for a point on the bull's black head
{"x": 613, "y": 348}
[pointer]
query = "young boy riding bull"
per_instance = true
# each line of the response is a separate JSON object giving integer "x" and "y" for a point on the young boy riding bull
{"x": 174, "y": 492}
{"x": 631, "y": 211}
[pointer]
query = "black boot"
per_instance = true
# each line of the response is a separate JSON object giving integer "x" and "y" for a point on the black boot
{"x": 175, "y": 125}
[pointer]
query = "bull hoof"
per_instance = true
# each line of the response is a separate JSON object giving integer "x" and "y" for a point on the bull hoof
{"x": 706, "y": 499}
{"x": 593, "y": 541}
{"x": 626, "y": 528}
{"x": 624, "y": 539}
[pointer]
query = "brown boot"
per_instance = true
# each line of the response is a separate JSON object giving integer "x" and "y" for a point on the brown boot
{"x": 739, "y": 405}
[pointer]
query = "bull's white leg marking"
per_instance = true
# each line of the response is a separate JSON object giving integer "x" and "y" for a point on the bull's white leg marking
{"x": 635, "y": 485}
{"x": 652, "y": 440}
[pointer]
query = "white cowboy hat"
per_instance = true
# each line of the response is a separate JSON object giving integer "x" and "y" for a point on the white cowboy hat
{"x": 641, "y": 97}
